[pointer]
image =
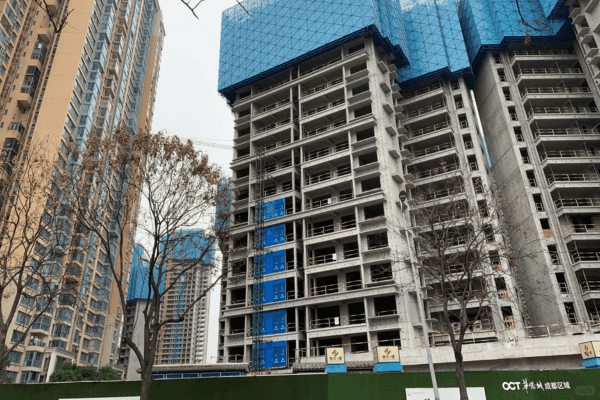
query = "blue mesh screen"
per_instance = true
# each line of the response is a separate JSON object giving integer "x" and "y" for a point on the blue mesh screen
{"x": 271, "y": 209}
{"x": 439, "y": 37}
{"x": 273, "y": 354}
{"x": 273, "y": 235}
{"x": 272, "y": 291}
{"x": 271, "y": 322}
{"x": 269, "y": 263}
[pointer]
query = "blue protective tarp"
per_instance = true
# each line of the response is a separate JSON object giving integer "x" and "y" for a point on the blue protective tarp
{"x": 273, "y": 354}
{"x": 269, "y": 263}
{"x": 271, "y": 209}
{"x": 273, "y": 235}
{"x": 272, "y": 291}
{"x": 271, "y": 322}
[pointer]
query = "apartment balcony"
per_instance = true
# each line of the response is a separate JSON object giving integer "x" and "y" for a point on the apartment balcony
{"x": 273, "y": 128}
{"x": 275, "y": 170}
{"x": 433, "y": 152}
{"x": 565, "y": 134}
{"x": 309, "y": 132}
{"x": 333, "y": 258}
{"x": 373, "y": 225}
{"x": 338, "y": 322}
{"x": 429, "y": 111}
{"x": 431, "y": 131}
{"x": 585, "y": 258}
{"x": 572, "y": 180}
{"x": 325, "y": 177}
{"x": 276, "y": 191}
{"x": 328, "y": 201}
{"x": 312, "y": 69}
{"x": 261, "y": 112}
{"x": 477, "y": 332}
{"x": 113, "y": 67}
{"x": 327, "y": 154}
{"x": 590, "y": 290}
{"x": 581, "y": 232}
{"x": 430, "y": 91}
{"x": 330, "y": 231}
{"x": 333, "y": 288}
{"x": 542, "y": 55}
{"x": 322, "y": 88}
{"x": 547, "y": 75}
{"x": 367, "y": 171}
{"x": 577, "y": 205}
{"x": 538, "y": 113}
{"x": 436, "y": 301}
{"x": 568, "y": 157}
{"x": 310, "y": 111}
{"x": 571, "y": 92}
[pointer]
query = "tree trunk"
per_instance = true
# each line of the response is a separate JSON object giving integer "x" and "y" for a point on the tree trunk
{"x": 460, "y": 375}
{"x": 146, "y": 382}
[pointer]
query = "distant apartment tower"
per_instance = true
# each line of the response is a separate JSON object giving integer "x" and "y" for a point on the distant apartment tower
{"x": 99, "y": 71}
{"x": 179, "y": 343}
{"x": 352, "y": 102}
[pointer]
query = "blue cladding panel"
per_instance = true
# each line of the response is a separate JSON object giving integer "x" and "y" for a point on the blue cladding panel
{"x": 272, "y": 322}
{"x": 274, "y": 354}
{"x": 269, "y": 263}
{"x": 274, "y": 235}
{"x": 427, "y": 37}
{"x": 272, "y": 209}
{"x": 273, "y": 291}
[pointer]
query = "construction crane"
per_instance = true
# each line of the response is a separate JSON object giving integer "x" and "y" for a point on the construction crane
{"x": 205, "y": 143}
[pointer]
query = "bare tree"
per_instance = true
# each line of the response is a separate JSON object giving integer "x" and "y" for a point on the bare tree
{"x": 466, "y": 263}
{"x": 176, "y": 192}
{"x": 193, "y": 4}
{"x": 34, "y": 231}
{"x": 57, "y": 16}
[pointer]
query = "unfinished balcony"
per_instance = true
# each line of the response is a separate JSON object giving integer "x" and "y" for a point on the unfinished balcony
{"x": 418, "y": 132}
{"x": 332, "y": 125}
{"x": 474, "y": 297}
{"x": 323, "y": 110}
{"x": 577, "y": 205}
{"x": 572, "y": 177}
{"x": 327, "y": 285}
{"x": 334, "y": 228}
{"x": 319, "y": 178}
{"x": 541, "y": 56}
{"x": 366, "y": 165}
{"x": 585, "y": 227}
{"x": 277, "y": 189}
{"x": 480, "y": 329}
{"x": 556, "y": 133}
{"x": 436, "y": 193}
{"x": 321, "y": 202}
{"x": 373, "y": 220}
{"x": 434, "y": 90}
{"x": 328, "y": 320}
{"x": 435, "y": 170}
{"x": 589, "y": 282}
{"x": 543, "y": 93}
{"x": 325, "y": 152}
{"x": 321, "y": 85}
{"x": 330, "y": 255}
{"x": 585, "y": 255}
{"x": 414, "y": 113}
{"x": 537, "y": 73}
{"x": 570, "y": 153}
{"x": 280, "y": 168}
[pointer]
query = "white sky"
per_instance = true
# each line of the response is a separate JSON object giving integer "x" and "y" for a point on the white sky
{"x": 187, "y": 102}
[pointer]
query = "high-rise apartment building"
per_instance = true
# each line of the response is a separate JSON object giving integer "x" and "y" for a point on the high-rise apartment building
{"x": 183, "y": 342}
{"x": 100, "y": 70}
{"x": 348, "y": 102}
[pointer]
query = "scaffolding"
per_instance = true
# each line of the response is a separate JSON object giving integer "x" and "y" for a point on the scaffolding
{"x": 258, "y": 318}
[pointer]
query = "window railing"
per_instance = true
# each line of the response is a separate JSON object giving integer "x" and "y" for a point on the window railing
{"x": 312, "y": 204}
{"x": 437, "y": 171}
{"x": 540, "y": 53}
{"x": 275, "y": 145}
{"x": 585, "y": 256}
{"x": 549, "y": 90}
{"x": 323, "y": 107}
{"x": 571, "y": 178}
{"x": 535, "y": 71}
{"x": 438, "y": 194}
{"x": 335, "y": 288}
{"x": 565, "y": 131}
{"x": 325, "y": 152}
{"x": 324, "y": 86}
{"x": 567, "y": 154}
{"x": 342, "y": 171}
{"x": 433, "y": 149}
{"x": 329, "y": 322}
{"x": 420, "y": 92}
{"x": 333, "y": 257}
{"x": 584, "y": 228}
{"x": 561, "y": 110}
{"x": 273, "y": 106}
{"x": 428, "y": 129}
{"x": 590, "y": 286}
{"x": 318, "y": 67}
{"x": 582, "y": 202}
{"x": 276, "y": 167}
{"x": 426, "y": 110}
{"x": 270, "y": 127}
{"x": 323, "y": 129}
{"x": 330, "y": 228}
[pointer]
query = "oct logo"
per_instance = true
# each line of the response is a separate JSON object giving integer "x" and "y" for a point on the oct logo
{"x": 511, "y": 385}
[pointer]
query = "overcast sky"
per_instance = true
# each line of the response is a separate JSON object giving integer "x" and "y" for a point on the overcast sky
{"x": 187, "y": 102}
